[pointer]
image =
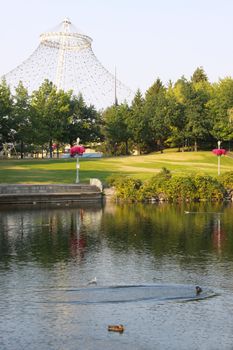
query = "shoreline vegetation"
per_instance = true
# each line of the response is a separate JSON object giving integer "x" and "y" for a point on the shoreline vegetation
{"x": 165, "y": 187}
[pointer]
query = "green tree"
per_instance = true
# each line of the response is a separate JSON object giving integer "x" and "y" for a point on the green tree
{"x": 157, "y": 110}
{"x": 115, "y": 128}
{"x": 6, "y": 123}
{"x": 177, "y": 98}
{"x": 22, "y": 117}
{"x": 193, "y": 123}
{"x": 84, "y": 122}
{"x": 176, "y": 120}
{"x": 220, "y": 109}
{"x": 51, "y": 111}
{"x": 199, "y": 75}
{"x": 138, "y": 123}
{"x": 198, "y": 122}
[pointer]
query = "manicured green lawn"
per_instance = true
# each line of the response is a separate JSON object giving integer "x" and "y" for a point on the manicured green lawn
{"x": 64, "y": 170}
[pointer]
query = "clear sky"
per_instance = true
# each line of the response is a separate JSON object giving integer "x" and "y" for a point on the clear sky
{"x": 144, "y": 39}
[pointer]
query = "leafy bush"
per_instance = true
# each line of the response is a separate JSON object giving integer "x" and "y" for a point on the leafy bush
{"x": 181, "y": 188}
{"x": 153, "y": 189}
{"x": 165, "y": 187}
{"x": 208, "y": 188}
{"x": 114, "y": 179}
{"x": 127, "y": 189}
{"x": 226, "y": 180}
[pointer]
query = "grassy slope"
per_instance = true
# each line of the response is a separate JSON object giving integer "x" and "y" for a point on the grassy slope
{"x": 64, "y": 170}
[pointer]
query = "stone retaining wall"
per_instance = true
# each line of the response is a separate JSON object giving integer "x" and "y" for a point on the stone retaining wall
{"x": 20, "y": 193}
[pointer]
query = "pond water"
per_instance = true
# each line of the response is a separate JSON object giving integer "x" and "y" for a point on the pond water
{"x": 146, "y": 261}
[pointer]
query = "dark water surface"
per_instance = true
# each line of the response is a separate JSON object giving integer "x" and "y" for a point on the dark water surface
{"x": 147, "y": 260}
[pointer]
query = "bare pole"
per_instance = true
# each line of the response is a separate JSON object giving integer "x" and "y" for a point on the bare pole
{"x": 77, "y": 163}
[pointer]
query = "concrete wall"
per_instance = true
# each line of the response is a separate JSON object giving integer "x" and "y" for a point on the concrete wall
{"x": 17, "y": 193}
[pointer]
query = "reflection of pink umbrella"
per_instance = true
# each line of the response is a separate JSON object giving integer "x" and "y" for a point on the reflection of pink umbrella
{"x": 77, "y": 150}
{"x": 219, "y": 151}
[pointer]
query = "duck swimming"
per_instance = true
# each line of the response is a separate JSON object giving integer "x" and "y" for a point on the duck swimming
{"x": 116, "y": 328}
{"x": 198, "y": 290}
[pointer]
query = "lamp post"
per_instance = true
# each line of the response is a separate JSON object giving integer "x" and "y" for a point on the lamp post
{"x": 219, "y": 152}
{"x": 77, "y": 163}
{"x": 77, "y": 151}
{"x": 77, "y": 170}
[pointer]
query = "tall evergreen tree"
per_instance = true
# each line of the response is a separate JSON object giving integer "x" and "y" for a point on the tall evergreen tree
{"x": 199, "y": 75}
{"x": 156, "y": 108}
{"x": 138, "y": 123}
{"x": 198, "y": 122}
{"x": 22, "y": 117}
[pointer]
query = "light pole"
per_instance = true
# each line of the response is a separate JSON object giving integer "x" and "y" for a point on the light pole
{"x": 77, "y": 151}
{"x": 219, "y": 152}
{"x": 77, "y": 169}
{"x": 77, "y": 163}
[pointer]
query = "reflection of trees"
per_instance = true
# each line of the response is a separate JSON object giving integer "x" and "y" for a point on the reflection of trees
{"x": 49, "y": 236}
{"x": 163, "y": 229}
{"x": 46, "y": 236}
{"x": 5, "y": 247}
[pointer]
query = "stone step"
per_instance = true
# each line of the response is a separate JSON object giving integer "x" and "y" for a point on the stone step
{"x": 56, "y": 188}
{"x": 36, "y": 198}
{"x": 51, "y": 193}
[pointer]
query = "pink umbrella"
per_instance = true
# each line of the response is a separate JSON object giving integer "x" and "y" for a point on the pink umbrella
{"x": 219, "y": 151}
{"x": 77, "y": 150}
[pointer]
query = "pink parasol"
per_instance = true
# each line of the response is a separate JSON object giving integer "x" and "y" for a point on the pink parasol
{"x": 219, "y": 151}
{"x": 77, "y": 150}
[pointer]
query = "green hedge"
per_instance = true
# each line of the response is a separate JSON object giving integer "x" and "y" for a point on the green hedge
{"x": 165, "y": 187}
{"x": 226, "y": 180}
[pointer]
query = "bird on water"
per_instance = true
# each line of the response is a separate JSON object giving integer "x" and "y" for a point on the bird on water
{"x": 198, "y": 290}
{"x": 94, "y": 281}
{"x": 116, "y": 328}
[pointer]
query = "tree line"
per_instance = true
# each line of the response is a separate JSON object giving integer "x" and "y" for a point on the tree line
{"x": 188, "y": 114}
{"x": 46, "y": 118}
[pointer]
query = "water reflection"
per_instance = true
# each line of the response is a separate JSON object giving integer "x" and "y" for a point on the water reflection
{"x": 168, "y": 229}
{"x": 45, "y": 235}
{"x": 48, "y": 255}
{"x": 69, "y": 233}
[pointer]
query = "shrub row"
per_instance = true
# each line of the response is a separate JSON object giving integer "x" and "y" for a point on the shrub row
{"x": 165, "y": 187}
